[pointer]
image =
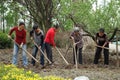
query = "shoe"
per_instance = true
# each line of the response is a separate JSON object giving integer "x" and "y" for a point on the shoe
{"x": 106, "y": 66}
{"x": 42, "y": 67}
{"x": 31, "y": 65}
{"x": 49, "y": 63}
{"x": 95, "y": 65}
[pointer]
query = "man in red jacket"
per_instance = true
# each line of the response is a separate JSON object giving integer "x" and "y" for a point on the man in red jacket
{"x": 49, "y": 41}
{"x": 20, "y": 40}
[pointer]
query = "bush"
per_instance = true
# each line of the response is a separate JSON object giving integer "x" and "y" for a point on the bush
{"x": 10, "y": 72}
{"x": 62, "y": 39}
{"x": 5, "y": 42}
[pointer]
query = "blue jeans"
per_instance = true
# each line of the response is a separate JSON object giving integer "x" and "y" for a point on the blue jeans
{"x": 15, "y": 55}
{"x": 35, "y": 50}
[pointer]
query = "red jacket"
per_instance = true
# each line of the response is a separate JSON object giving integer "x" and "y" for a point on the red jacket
{"x": 49, "y": 38}
{"x": 20, "y": 36}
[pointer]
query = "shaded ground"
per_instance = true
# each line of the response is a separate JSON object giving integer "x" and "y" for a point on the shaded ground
{"x": 59, "y": 68}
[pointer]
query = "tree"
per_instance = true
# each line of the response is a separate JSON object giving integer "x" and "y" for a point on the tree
{"x": 82, "y": 14}
{"x": 40, "y": 10}
{"x": 11, "y": 13}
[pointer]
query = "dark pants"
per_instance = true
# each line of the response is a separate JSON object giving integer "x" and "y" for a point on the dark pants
{"x": 48, "y": 48}
{"x": 97, "y": 55}
{"x": 79, "y": 56}
{"x": 35, "y": 50}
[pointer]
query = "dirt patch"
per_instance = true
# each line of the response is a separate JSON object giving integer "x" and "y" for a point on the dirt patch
{"x": 60, "y": 68}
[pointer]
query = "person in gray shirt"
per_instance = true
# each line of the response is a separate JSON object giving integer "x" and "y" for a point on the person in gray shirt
{"x": 37, "y": 35}
{"x": 76, "y": 36}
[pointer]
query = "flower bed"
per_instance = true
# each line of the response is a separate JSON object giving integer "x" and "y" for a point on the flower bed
{"x": 10, "y": 72}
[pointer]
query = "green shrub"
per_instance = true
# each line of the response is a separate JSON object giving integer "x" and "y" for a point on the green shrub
{"x": 5, "y": 42}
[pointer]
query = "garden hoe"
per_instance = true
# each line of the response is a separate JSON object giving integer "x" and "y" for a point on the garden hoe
{"x": 102, "y": 47}
{"x": 75, "y": 55}
{"x": 24, "y": 50}
{"x": 62, "y": 56}
{"x": 42, "y": 52}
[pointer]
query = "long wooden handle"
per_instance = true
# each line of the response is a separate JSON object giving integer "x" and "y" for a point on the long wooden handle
{"x": 42, "y": 52}
{"x": 62, "y": 56}
{"x": 75, "y": 54}
{"x": 75, "y": 57}
{"x": 102, "y": 47}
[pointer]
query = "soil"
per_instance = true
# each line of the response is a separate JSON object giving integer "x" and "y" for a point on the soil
{"x": 60, "y": 68}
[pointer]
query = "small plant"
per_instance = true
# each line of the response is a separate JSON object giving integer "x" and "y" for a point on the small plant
{"x": 5, "y": 42}
{"x": 10, "y": 72}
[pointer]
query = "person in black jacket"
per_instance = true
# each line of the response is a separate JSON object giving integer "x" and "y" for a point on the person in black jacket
{"x": 101, "y": 40}
{"x": 37, "y": 35}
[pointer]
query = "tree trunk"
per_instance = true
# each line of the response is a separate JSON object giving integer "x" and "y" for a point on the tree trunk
{"x": 41, "y": 11}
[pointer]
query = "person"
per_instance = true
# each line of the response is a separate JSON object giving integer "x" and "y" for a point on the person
{"x": 101, "y": 40}
{"x": 76, "y": 36}
{"x": 37, "y": 35}
{"x": 49, "y": 41}
{"x": 20, "y": 40}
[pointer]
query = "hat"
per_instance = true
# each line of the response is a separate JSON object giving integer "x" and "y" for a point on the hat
{"x": 76, "y": 29}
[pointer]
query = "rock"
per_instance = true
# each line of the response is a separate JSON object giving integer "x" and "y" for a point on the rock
{"x": 81, "y": 78}
{"x": 113, "y": 48}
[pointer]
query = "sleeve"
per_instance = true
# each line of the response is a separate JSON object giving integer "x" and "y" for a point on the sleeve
{"x": 71, "y": 35}
{"x": 24, "y": 37}
{"x": 80, "y": 38}
{"x": 11, "y": 31}
{"x": 96, "y": 38}
{"x": 52, "y": 39}
{"x": 42, "y": 38}
{"x": 31, "y": 33}
{"x": 106, "y": 38}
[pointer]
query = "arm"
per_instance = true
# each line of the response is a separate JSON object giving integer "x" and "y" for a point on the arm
{"x": 106, "y": 41}
{"x": 31, "y": 34}
{"x": 42, "y": 40}
{"x": 52, "y": 38}
{"x": 11, "y": 31}
{"x": 80, "y": 38}
{"x": 24, "y": 38}
{"x": 96, "y": 39}
{"x": 71, "y": 36}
